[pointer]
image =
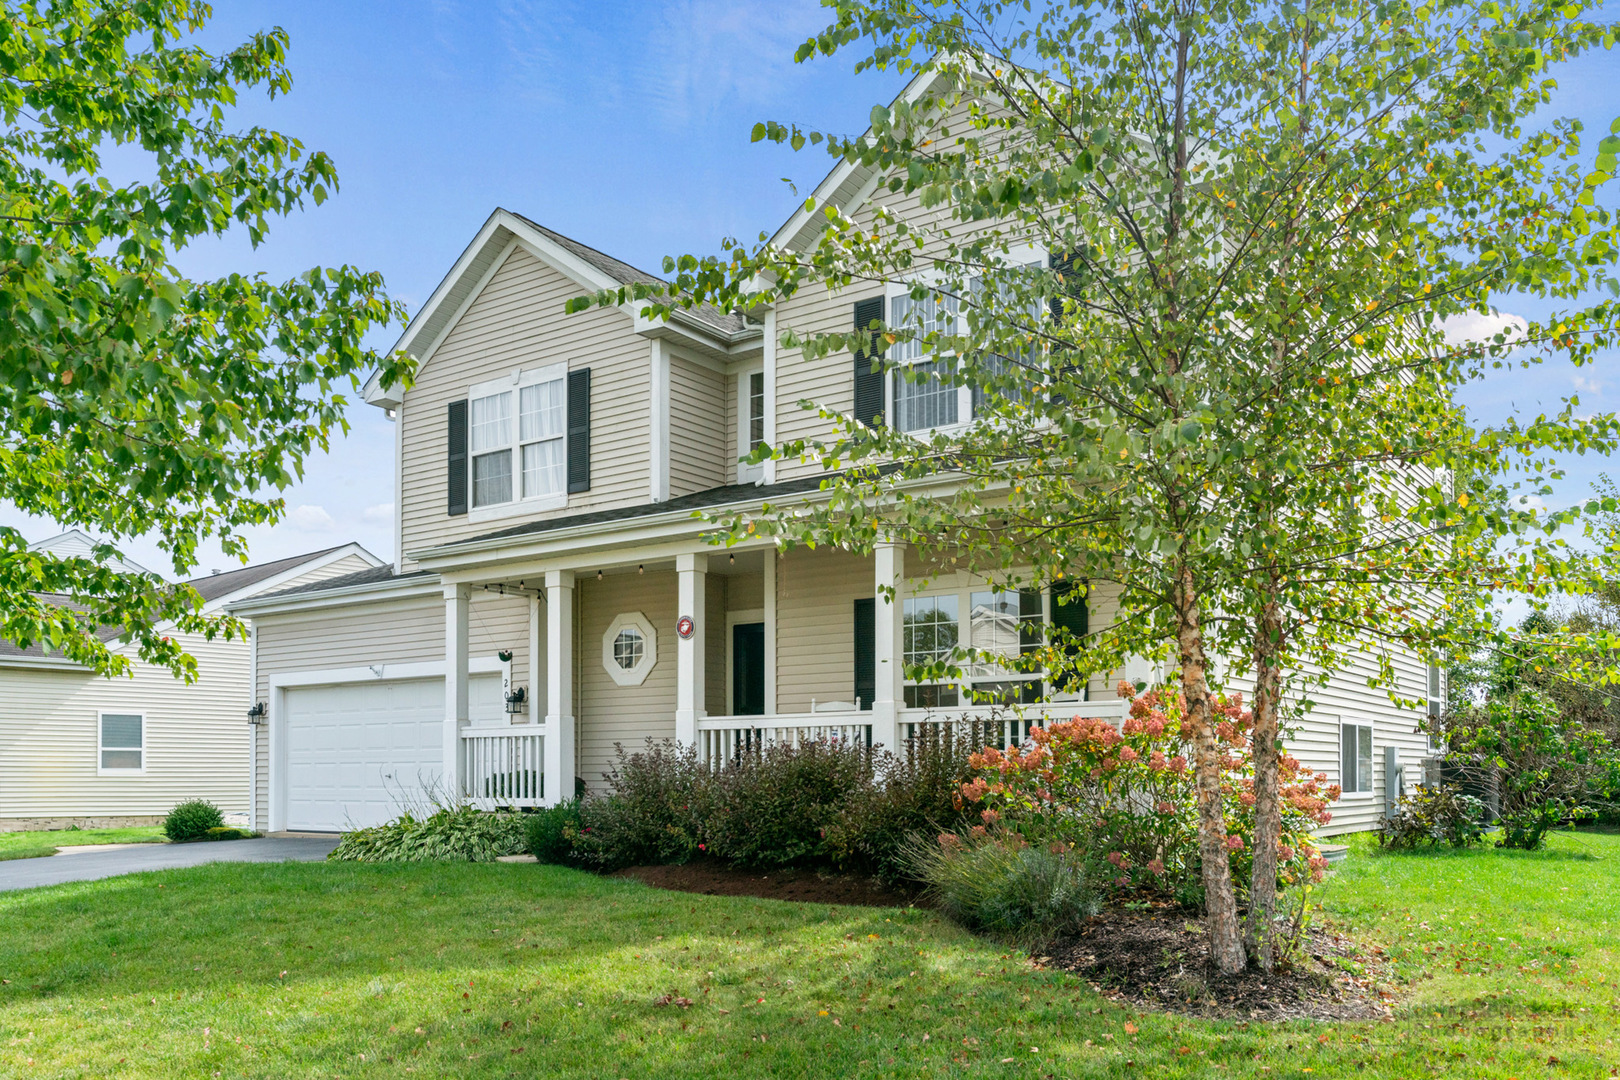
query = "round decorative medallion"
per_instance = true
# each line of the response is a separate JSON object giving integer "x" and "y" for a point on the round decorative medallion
{"x": 685, "y": 627}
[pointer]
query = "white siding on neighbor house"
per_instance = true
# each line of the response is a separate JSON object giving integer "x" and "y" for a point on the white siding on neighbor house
{"x": 349, "y": 564}
{"x": 697, "y": 437}
{"x": 517, "y": 322}
{"x": 195, "y": 737}
{"x": 400, "y": 631}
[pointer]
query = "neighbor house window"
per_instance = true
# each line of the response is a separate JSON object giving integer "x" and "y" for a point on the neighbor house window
{"x": 1355, "y": 758}
{"x": 1007, "y": 623}
{"x": 517, "y": 437}
{"x": 123, "y": 742}
{"x": 930, "y": 634}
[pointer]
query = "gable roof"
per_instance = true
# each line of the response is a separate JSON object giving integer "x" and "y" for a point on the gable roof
{"x": 76, "y": 543}
{"x": 215, "y": 589}
{"x": 590, "y": 268}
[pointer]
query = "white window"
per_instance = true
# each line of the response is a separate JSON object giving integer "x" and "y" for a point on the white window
{"x": 926, "y": 399}
{"x": 122, "y": 746}
{"x": 1437, "y": 704}
{"x": 750, "y": 422}
{"x": 1005, "y": 622}
{"x": 930, "y": 635}
{"x": 517, "y": 438}
{"x": 1355, "y": 758}
{"x": 630, "y": 649}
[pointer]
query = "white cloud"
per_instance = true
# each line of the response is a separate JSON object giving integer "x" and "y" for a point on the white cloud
{"x": 1461, "y": 329}
{"x": 1532, "y": 502}
{"x": 383, "y": 512}
{"x": 1583, "y": 385}
{"x": 307, "y": 518}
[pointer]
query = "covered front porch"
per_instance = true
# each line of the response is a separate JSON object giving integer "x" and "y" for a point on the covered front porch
{"x": 725, "y": 651}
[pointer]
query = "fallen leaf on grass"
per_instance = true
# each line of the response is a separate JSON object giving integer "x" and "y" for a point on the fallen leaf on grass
{"x": 671, "y": 999}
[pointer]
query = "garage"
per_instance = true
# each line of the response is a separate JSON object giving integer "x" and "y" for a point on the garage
{"x": 359, "y": 754}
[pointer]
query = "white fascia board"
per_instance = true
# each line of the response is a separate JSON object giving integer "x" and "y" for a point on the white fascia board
{"x": 585, "y": 545}
{"x": 269, "y": 584}
{"x": 58, "y": 663}
{"x": 425, "y": 586}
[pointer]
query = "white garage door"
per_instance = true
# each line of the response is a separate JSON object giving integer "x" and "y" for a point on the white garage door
{"x": 359, "y": 754}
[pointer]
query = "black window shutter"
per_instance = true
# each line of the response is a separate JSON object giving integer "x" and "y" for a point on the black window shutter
{"x": 868, "y": 364}
{"x": 1073, "y": 617}
{"x": 865, "y": 652}
{"x": 579, "y": 430}
{"x": 456, "y": 487}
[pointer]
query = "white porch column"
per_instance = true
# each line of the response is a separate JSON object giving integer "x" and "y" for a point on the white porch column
{"x": 457, "y": 601}
{"x": 770, "y": 631}
{"x": 559, "y": 767}
{"x": 693, "y": 573}
{"x": 537, "y": 662}
{"x": 889, "y": 566}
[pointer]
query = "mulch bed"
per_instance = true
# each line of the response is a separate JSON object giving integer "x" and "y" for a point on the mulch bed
{"x": 1160, "y": 959}
{"x": 712, "y": 878}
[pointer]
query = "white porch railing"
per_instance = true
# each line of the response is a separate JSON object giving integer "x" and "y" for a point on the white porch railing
{"x": 1003, "y": 726}
{"x": 503, "y": 766}
{"x": 721, "y": 738}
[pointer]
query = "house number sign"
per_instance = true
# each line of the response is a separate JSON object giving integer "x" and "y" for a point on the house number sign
{"x": 685, "y": 626}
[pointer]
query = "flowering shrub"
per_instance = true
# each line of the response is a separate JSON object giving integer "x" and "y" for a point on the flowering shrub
{"x": 1127, "y": 795}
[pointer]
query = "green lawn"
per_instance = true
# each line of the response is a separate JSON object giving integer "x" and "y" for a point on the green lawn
{"x": 29, "y": 845}
{"x": 510, "y": 970}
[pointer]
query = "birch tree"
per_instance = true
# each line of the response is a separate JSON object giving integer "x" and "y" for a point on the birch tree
{"x": 1225, "y": 386}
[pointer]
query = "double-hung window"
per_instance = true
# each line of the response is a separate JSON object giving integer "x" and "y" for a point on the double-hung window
{"x": 922, "y": 395}
{"x": 930, "y": 634}
{"x": 750, "y": 422}
{"x": 1007, "y": 623}
{"x": 928, "y": 401}
{"x": 517, "y": 438}
{"x": 122, "y": 743}
{"x": 1355, "y": 758}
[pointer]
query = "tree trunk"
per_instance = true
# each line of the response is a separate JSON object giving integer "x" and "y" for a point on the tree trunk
{"x": 1267, "y": 803}
{"x": 1220, "y": 902}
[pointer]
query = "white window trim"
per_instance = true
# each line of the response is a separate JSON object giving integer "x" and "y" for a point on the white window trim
{"x": 100, "y": 713}
{"x": 1024, "y": 255}
{"x": 649, "y": 657}
{"x": 749, "y": 474}
{"x": 520, "y": 504}
{"x": 963, "y": 590}
{"x": 1372, "y": 789}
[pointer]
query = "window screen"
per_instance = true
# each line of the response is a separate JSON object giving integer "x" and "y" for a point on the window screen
{"x": 122, "y": 740}
{"x": 1356, "y": 757}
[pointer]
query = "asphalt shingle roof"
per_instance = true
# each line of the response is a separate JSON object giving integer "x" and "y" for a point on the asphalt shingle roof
{"x": 624, "y": 273}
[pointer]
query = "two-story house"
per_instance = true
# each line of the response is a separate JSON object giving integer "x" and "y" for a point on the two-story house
{"x": 547, "y": 469}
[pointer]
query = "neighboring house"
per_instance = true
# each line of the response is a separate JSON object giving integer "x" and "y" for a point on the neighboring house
{"x": 77, "y": 747}
{"x": 547, "y": 469}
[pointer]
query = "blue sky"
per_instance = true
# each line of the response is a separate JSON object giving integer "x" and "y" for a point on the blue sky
{"x": 623, "y": 124}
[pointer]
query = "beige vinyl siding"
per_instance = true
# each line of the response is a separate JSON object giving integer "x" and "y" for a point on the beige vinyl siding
{"x": 398, "y": 631}
{"x": 815, "y": 618}
{"x": 195, "y": 735}
{"x": 607, "y": 712}
{"x": 517, "y": 322}
{"x": 697, "y": 418}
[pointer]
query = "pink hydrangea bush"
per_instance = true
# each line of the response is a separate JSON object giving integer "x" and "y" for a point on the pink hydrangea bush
{"x": 1127, "y": 795}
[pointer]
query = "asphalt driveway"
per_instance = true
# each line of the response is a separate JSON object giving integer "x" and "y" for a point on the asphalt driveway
{"x": 91, "y": 865}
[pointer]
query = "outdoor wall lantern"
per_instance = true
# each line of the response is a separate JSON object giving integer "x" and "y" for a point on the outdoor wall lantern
{"x": 257, "y": 712}
{"x": 517, "y": 699}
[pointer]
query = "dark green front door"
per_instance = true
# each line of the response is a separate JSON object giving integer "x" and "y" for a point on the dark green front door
{"x": 748, "y": 669}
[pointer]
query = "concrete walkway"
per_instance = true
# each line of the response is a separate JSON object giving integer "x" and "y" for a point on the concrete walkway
{"x": 134, "y": 858}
